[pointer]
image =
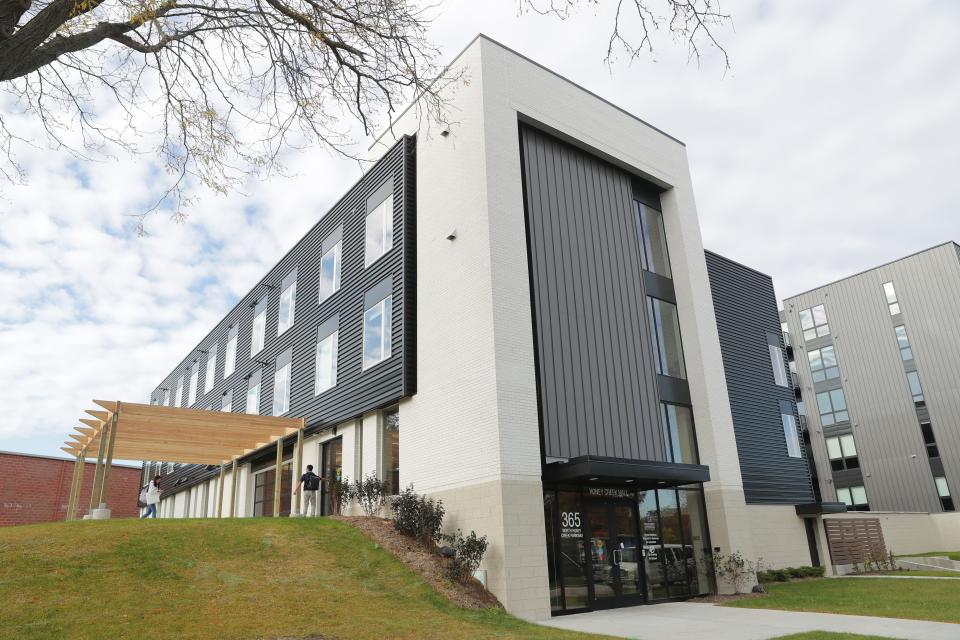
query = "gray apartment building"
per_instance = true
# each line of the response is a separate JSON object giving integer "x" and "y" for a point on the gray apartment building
{"x": 875, "y": 366}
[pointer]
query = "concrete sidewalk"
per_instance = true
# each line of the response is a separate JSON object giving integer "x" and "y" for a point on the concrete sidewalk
{"x": 697, "y": 621}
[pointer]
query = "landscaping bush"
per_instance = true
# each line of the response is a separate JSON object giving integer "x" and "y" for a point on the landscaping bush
{"x": 795, "y": 572}
{"x": 418, "y": 516}
{"x": 734, "y": 569}
{"x": 783, "y": 575}
{"x": 469, "y": 552}
{"x": 340, "y": 494}
{"x": 371, "y": 492}
{"x": 773, "y": 575}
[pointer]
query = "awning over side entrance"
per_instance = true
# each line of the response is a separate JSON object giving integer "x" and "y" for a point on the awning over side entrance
{"x": 640, "y": 473}
{"x": 131, "y": 431}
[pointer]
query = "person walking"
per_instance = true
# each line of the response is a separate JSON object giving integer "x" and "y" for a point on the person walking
{"x": 311, "y": 487}
{"x": 151, "y": 497}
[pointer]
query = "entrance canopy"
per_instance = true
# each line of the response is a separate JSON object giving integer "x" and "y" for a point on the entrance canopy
{"x": 639, "y": 473}
{"x": 168, "y": 434}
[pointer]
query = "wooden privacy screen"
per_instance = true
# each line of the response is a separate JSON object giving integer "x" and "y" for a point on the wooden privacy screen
{"x": 855, "y": 540}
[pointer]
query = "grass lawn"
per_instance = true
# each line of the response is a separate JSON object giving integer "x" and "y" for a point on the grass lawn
{"x": 914, "y": 599}
{"x": 828, "y": 635}
{"x": 223, "y": 579}
{"x": 953, "y": 555}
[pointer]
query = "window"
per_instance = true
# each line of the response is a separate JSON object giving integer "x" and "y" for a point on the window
{"x": 377, "y": 329}
{"x": 226, "y": 403}
{"x": 823, "y": 364}
{"x": 253, "y": 392}
{"x": 913, "y": 379}
{"x": 776, "y": 360}
{"x": 854, "y": 497}
{"x": 833, "y": 407}
{"x": 391, "y": 450}
{"x": 906, "y": 353}
{"x": 892, "y": 303}
{"x": 288, "y": 294}
{"x": 790, "y": 434}
{"x": 653, "y": 240}
{"x": 944, "y": 492}
{"x": 194, "y": 376}
{"x": 842, "y": 453}
{"x": 813, "y": 321}
{"x": 379, "y": 230}
{"x": 786, "y": 333}
{"x": 327, "y": 337}
{"x": 211, "y": 372}
{"x": 259, "y": 325}
{"x": 165, "y": 398}
{"x": 665, "y": 330}
{"x": 230, "y": 356}
{"x": 929, "y": 441}
{"x": 281, "y": 384}
{"x": 330, "y": 265}
{"x": 678, "y": 435}
{"x": 180, "y": 391}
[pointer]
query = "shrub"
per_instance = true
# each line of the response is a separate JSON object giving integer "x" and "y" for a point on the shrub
{"x": 795, "y": 572}
{"x": 371, "y": 492}
{"x": 469, "y": 552}
{"x": 340, "y": 494}
{"x": 418, "y": 516}
{"x": 734, "y": 569}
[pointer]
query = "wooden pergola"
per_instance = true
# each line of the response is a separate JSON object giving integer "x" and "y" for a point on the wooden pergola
{"x": 131, "y": 431}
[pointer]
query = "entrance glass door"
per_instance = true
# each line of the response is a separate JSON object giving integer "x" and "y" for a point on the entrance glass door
{"x": 331, "y": 457}
{"x": 614, "y": 553}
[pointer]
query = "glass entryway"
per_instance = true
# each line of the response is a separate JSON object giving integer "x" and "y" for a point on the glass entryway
{"x": 614, "y": 546}
{"x": 614, "y": 553}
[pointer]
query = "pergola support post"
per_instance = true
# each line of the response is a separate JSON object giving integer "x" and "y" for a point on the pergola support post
{"x": 278, "y": 479}
{"x": 298, "y": 467}
{"x": 105, "y": 481}
{"x": 234, "y": 476}
{"x": 95, "y": 493}
{"x": 74, "y": 488}
{"x": 223, "y": 469}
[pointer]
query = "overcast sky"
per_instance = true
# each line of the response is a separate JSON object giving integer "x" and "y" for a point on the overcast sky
{"x": 832, "y": 145}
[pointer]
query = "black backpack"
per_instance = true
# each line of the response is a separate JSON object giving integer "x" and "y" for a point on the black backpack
{"x": 311, "y": 481}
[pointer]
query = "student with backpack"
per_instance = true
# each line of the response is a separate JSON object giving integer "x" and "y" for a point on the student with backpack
{"x": 150, "y": 496}
{"x": 311, "y": 487}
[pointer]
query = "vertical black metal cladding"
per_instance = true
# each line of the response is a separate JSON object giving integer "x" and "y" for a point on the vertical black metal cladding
{"x": 595, "y": 371}
{"x": 746, "y": 309}
{"x": 356, "y": 390}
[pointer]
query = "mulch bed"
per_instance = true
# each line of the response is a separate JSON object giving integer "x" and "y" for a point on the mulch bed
{"x": 426, "y": 561}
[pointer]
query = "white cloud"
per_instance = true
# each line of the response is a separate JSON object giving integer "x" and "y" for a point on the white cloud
{"x": 828, "y": 148}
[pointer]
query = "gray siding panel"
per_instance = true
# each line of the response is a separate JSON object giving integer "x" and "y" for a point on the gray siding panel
{"x": 897, "y": 474}
{"x": 596, "y": 375}
{"x": 356, "y": 391}
{"x": 746, "y": 309}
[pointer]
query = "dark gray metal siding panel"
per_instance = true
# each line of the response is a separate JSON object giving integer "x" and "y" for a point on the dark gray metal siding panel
{"x": 356, "y": 391}
{"x": 746, "y": 311}
{"x": 596, "y": 375}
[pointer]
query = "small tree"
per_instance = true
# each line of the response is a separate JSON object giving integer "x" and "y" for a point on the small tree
{"x": 340, "y": 494}
{"x": 735, "y": 570}
{"x": 418, "y": 516}
{"x": 371, "y": 492}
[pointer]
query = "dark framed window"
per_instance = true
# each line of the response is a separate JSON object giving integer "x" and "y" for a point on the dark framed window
{"x": 929, "y": 441}
{"x": 903, "y": 342}
{"x": 913, "y": 379}
{"x": 679, "y": 435}
{"x": 391, "y": 450}
{"x": 842, "y": 452}
{"x": 813, "y": 321}
{"x": 823, "y": 364}
{"x": 653, "y": 239}
{"x": 833, "y": 407}
{"x": 854, "y": 497}
{"x": 665, "y": 330}
{"x": 943, "y": 490}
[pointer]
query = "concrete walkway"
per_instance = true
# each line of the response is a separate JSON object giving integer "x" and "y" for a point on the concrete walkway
{"x": 697, "y": 621}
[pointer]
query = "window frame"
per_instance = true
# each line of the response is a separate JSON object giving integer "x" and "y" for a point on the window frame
{"x": 210, "y": 370}
{"x": 917, "y": 394}
{"x": 650, "y": 249}
{"x": 258, "y": 375}
{"x": 194, "y": 382}
{"x": 288, "y": 297}
{"x": 930, "y": 444}
{"x": 791, "y": 434}
{"x": 893, "y": 303}
{"x": 393, "y": 484}
{"x": 385, "y": 306}
{"x": 333, "y": 337}
{"x": 284, "y": 365}
{"x": 383, "y": 209}
{"x": 943, "y": 492}
{"x": 179, "y": 387}
{"x": 846, "y": 460}
{"x": 335, "y": 253}
{"x": 667, "y": 430}
{"x": 230, "y": 351}
{"x": 779, "y": 365}
{"x": 226, "y": 401}
{"x": 833, "y": 411}
{"x": 819, "y": 329}
{"x": 258, "y": 327}
{"x": 822, "y": 372}
{"x": 852, "y": 504}
{"x": 661, "y": 357}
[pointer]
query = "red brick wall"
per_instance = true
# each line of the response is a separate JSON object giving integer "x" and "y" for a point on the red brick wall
{"x": 36, "y": 489}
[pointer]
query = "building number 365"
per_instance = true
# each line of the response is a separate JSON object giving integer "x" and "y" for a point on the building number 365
{"x": 570, "y": 519}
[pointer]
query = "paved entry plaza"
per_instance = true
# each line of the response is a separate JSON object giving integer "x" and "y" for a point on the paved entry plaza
{"x": 697, "y": 621}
